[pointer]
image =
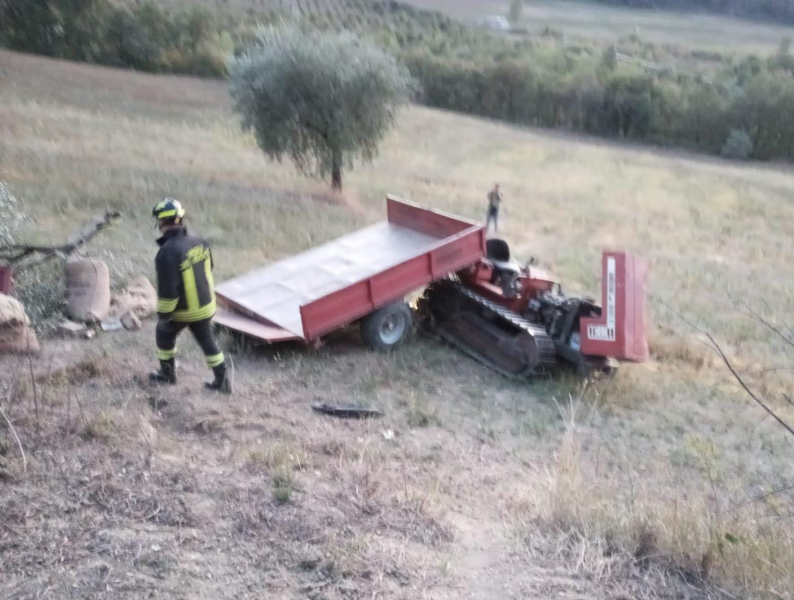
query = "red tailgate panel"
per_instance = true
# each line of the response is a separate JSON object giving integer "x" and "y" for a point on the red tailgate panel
{"x": 428, "y": 221}
{"x": 621, "y": 331}
{"x": 266, "y": 332}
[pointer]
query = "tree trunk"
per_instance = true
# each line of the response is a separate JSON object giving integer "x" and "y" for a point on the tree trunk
{"x": 336, "y": 177}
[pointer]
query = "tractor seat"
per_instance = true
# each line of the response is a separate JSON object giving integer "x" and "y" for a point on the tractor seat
{"x": 511, "y": 266}
{"x": 498, "y": 252}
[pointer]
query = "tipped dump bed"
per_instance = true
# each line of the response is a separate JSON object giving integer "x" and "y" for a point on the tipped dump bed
{"x": 308, "y": 295}
{"x": 278, "y": 292}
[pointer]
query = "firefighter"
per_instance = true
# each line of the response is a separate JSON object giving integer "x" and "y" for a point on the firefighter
{"x": 185, "y": 296}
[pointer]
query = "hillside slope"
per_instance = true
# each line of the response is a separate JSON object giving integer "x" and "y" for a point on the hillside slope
{"x": 472, "y": 486}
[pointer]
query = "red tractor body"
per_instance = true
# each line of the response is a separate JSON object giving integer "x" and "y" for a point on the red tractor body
{"x": 529, "y": 321}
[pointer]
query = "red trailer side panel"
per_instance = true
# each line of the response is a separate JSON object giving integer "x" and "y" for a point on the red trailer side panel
{"x": 620, "y": 331}
{"x": 347, "y": 305}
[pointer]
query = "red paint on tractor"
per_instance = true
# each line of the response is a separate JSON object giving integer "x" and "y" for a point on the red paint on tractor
{"x": 620, "y": 331}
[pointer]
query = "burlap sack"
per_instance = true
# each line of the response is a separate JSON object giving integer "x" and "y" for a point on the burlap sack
{"x": 140, "y": 298}
{"x": 131, "y": 322}
{"x": 16, "y": 334}
{"x": 87, "y": 290}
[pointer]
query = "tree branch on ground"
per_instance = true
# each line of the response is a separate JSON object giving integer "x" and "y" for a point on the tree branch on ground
{"x": 25, "y": 256}
{"x": 736, "y": 375}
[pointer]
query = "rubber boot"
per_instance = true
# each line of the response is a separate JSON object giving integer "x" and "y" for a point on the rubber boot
{"x": 166, "y": 374}
{"x": 222, "y": 382}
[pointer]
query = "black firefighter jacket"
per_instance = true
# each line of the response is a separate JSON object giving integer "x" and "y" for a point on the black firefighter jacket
{"x": 185, "y": 290}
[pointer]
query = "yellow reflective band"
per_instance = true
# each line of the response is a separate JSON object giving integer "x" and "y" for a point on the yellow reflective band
{"x": 166, "y": 354}
{"x": 166, "y": 213}
{"x": 190, "y": 316}
{"x": 208, "y": 273}
{"x": 215, "y": 360}
{"x": 166, "y": 306}
{"x": 191, "y": 291}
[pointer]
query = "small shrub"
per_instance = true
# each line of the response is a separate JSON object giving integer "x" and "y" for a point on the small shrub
{"x": 283, "y": 485}
{"x": 738, "y": 146}
{"x": 42, "y": 291}
{"x": 420, "y": 413}
{"x": 100, "y": 428}
{"x": 286, "y": 456}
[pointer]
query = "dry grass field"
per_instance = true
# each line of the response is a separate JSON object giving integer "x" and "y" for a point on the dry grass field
{"x": 487, "y": 489}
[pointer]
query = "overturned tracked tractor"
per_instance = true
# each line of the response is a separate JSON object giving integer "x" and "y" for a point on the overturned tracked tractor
{"x": 513, "y": 319}
{"x": 519, "y": 322}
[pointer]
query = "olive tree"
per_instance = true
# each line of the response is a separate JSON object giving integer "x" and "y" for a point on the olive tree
{"x": 322, "y": 100}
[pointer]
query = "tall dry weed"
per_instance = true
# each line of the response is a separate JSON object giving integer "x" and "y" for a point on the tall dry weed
{"x": 619, "y": 521}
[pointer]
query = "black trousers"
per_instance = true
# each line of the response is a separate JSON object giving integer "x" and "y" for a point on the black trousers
{"x": 493, "y": 215}
{"x": 168, "y": 331}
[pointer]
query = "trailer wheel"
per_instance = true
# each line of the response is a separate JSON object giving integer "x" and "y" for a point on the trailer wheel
{"x": 386, "y": 327}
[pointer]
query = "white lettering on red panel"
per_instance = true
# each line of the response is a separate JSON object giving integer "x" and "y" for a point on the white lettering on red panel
{"x": 606, "y": 333}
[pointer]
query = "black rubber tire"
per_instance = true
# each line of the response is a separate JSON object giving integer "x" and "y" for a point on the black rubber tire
{"x": 375, "y": 327}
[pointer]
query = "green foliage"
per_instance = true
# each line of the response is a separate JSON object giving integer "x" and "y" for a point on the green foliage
{"x": 764, "y": 110}
{"x": 283, "y": 485}
{"x": 145, "y": 37}
{"x": 321, "y": 99}
{"x": 42, "y": 291}
{"x": 62, "y": 28}
{"x": 738, "y": 145}
{"x": 624, "y": 92}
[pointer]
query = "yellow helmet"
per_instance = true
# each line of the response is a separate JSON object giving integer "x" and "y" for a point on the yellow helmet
{"x": 169, "y": 208}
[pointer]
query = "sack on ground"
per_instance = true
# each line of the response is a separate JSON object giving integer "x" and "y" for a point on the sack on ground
{"x": 131, "y": 322}
{"x": 140, "y": 298}
{"x": 87, "y": 290}
{"x": 16, "y": 334}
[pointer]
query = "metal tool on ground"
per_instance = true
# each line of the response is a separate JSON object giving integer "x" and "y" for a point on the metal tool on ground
{"x": 513, "y": 319}
{"x": 347, "y": 411}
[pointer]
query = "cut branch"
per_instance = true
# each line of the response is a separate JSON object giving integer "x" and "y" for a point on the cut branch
{"x": 21, "y": 256}
{"x": 744, "y": 385}
{"x": 760, "y": 498}
{"x": 716, "y": 347}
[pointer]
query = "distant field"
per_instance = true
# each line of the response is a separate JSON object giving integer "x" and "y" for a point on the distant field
{"x": 577, "y": 19}
{"x": 703, "y": 31}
